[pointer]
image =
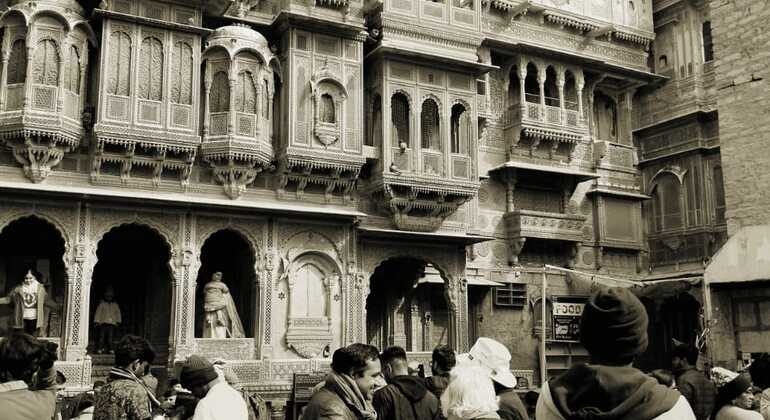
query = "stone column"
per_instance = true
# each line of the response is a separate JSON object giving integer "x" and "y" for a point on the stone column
{"x": 28, "y": 76}
{"x": 233, "y": 84}
{"x": 580, "y": 84}
{"x": 78, "y": 291}
{"x": 541, "y": 78}
{"x": 522, "y": 85}
{"x": 185, "y": 272}
{"x": 3, "y": 79}
{"x": 560, "y": 82}
{"x": 278, "y": 409}
{"x": 206, "y": 92}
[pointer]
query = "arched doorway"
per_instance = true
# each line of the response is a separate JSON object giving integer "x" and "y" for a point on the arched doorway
{"x": 33, "y": 243}
{"x": 407, "y": 306}
{"x": 672, "y": 317}
{"x": 231, "y": 254}
{"x": 133, "y": 260}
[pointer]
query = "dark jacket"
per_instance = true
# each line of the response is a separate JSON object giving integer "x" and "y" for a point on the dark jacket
{"x": 437, "y": 384}
{"x": 609, "y": 393}
{"x": 406, "y": 398}
{"x": 326, "y": 404}
{"x": 511, "y": 407}
{"x": 699, "y": 392}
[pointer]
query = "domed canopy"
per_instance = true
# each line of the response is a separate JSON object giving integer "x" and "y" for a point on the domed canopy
{"x": 238, "y": 37}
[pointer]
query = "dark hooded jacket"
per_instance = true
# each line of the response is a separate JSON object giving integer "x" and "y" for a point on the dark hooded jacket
{"x": 596, "y": 392}
{"x": 406, "y": 398}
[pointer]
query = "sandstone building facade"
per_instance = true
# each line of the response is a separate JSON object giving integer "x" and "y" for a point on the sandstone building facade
{"x": 394, "y": 172}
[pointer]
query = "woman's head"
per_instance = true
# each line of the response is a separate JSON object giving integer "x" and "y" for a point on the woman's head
{"x": 470, "y": 393}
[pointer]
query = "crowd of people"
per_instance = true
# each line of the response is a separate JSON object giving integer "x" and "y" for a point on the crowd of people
{"x": 367, "y": 384}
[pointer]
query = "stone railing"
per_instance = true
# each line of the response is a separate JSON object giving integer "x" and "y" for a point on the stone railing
{"x": 537, "y": 224}
{"x": 535, "y": 113}
{"x": 615, "y": 155}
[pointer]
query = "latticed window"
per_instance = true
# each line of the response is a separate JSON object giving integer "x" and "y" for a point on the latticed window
{"x": 119, "y": 79}
{"x": 45, "y": 64}
{"x": 151, "y": 69}
{"x": 17, "y": 63}
{"x": 72, "y": 80}
{"x": 246, "y": 93}
{"x": 327, "y": 109}
{"x": 400, "y": 119}
{"x": 181, "y": 73}
{"x": 219, "y": 96}
{"x": 719, "y": 195}
{"x": 431, "y": 138}
{"x": 461, "y": 129}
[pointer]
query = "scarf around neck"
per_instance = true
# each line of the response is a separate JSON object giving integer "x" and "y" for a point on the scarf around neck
{"x": 344, "y": 386}
{"x": 120, "y": 373}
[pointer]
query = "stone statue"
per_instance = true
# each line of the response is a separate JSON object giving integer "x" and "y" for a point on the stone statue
{"x": 220, "y": 319}
{"x": 30, "y": 304}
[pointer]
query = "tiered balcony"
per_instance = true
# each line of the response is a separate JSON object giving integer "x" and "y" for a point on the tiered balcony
{"x": 538, "y": 122}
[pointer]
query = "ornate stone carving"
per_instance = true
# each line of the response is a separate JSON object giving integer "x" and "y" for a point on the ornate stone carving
{"x": 329, "y": 95}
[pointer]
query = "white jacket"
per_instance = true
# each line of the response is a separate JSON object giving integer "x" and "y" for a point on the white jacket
{"x": 546, "y": 409}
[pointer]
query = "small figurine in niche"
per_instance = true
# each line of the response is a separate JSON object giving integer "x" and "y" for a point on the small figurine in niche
{"x": 220, "y": 319}
{"x": 29, "y": 300}
{"x": 106, "y": 320}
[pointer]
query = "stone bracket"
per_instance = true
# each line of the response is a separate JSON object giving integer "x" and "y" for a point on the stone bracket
{"x": 39, "y": 155}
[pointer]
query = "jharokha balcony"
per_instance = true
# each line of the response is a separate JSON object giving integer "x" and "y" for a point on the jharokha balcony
{"x": 545, "y": 114}
{"x": 544, "y": 225}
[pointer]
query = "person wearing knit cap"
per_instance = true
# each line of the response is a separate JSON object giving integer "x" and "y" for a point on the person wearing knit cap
{"x": 218, "y": 400}
{"x": 734, "y": 399}
{"x": 613, "y": 329}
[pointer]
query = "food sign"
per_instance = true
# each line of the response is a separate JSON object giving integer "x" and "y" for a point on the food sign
{"x": 566, "y": 320}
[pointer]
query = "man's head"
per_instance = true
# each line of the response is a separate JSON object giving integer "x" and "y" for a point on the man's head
{"x": 613, "y": 327}
{"x": 443, "y": 360}
{"x": 394, "y": 362}
{"x": 362, "y": 363}
{"x": 198, "y": 375}
{"x": 683, "y": 357}
{"x": 134, "y": 354}
{"x": 760, "y": 371}
{"x": 20, "y": 355}
{"x": 109, "y": 294}
{"x": 217, "y": 276}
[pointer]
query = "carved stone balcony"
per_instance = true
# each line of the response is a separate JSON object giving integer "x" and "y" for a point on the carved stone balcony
{"x": 543, "y": 225}
{"x": 42, "y": 84}
{"x": 523, "y": 224}
{"x": 543, "y": 125}
{"x": 421, "y": 203}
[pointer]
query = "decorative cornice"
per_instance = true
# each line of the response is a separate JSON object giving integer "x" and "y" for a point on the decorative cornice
{"x": 399, "y": 28}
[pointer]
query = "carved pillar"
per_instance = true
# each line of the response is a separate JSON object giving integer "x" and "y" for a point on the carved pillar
{"x": 4, "y": 78}
{"x": 278, "y": 410}
{"x": 28, "y": 77}
{"x": 186, "y": 266}
{"x": 541, "y": 78}
{"x": 522, "y": 87}
{"x": 231, "y": 115}
{"x": 60, "y": 82}
{"x": 206, "y": 91}
{"x": 560, "y": 82}
{"x": 580, "y": 84}
{"x": 78, "y": 291}
{"x": 510, "y": 188}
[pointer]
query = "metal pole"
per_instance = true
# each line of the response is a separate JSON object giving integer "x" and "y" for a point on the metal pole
{"x": 707, "y": 317}
{"x": 543, "y": 366}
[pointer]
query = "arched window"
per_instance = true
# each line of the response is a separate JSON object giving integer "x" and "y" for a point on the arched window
{"x": 17, "y": 62}
{"x": 531, "y": 85}
{"x": 327, "y": 109}
{"x": 246, "y": 93}
{"x": 605, "y": 117}
{"x": 45, "y": 64}
{"x": 551, "y": 90}
{"x": 219, "y": 96}
{"x": 181, "y": 73}
{"x": 151, "y": 69}
{"x": 667, "y": 203}
{"x": 400, "y": 119}
{"x": 119, "y": 79}
{"x": 461, "y": 129}
{"x": 514, "y": 88}
{"x": 72, "y": 81}
{"x": 431, "y": 130}
{"x": 308, "y": 292}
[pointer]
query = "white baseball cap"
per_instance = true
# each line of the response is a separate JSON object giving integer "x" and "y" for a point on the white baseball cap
{"x": 494, "y": 357}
